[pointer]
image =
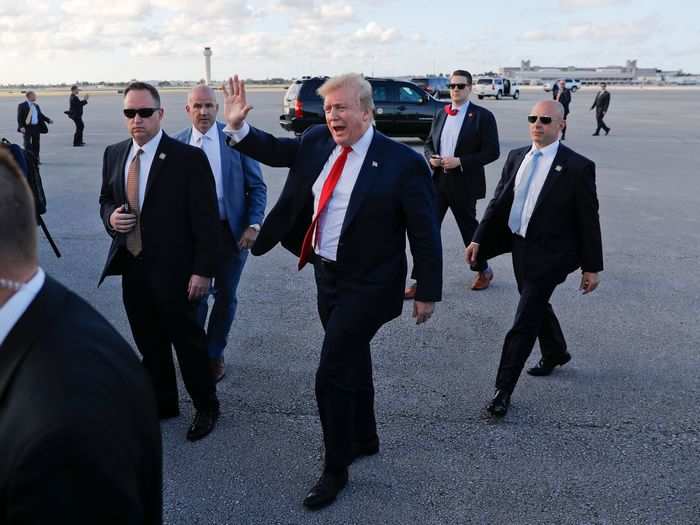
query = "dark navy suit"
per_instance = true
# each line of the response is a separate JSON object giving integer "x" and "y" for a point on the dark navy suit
{"x": 244, "y": 198}
{"x": 363, "y": 289}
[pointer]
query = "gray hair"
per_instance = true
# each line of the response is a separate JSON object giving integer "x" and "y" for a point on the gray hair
{"x": 351, "y": 80}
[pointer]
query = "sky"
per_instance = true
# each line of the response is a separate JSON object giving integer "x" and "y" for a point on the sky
{"x": 53, "y": 41}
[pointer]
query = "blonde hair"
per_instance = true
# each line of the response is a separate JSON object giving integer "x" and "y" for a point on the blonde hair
{"x": 351, "y": 80}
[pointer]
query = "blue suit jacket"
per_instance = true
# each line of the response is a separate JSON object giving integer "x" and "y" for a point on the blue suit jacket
{"x": 245, "y": 192}
{"x": 393, "y": 197}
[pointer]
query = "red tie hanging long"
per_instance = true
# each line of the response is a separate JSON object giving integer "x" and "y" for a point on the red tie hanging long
{"x": 326, "y": 192}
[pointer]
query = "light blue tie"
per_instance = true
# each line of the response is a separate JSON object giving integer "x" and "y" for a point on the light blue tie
{"x": 516, "y": 210}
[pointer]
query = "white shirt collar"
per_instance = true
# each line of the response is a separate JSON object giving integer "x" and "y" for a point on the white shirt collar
{"x": 15, "y": 307}
{"x": 362, "y": 145}
{"x": 463, "y": 108}
{"x": 150, "y": 147}
{"x": 212, "y": 133}
{"x": 548, "y": 151}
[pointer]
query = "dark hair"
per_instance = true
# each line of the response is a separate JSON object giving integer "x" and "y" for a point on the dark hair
{"x": 143, "y": 86}
{"x": 462, "y": 73}
{"x": 74, "y": 87}
{"x": 30, "y": 92}
{"x": 17, "y": 217}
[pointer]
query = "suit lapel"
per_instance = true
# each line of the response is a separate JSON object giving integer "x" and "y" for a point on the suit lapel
{"x": 225, "y": 154}
{"x": 557, "y": 169}
{"x": 119, "y": 181}
{"x": 31, "y": 326}
{"x": 439, "y": 125}
{"x": 156, "y": 165}
{"x": 517, "y": 162}
{"x": 371, "y": 168}
{"x": 468, "y": 122}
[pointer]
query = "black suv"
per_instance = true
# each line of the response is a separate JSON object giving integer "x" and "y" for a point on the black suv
{"x": 402, "y": 109}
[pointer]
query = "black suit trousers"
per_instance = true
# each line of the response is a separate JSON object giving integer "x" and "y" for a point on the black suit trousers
{"x": 160, "y": 321}
{"x": 79, "y": 127}
{"x": 599, "y": 114}
{"x": 534, "y": 319}
{"x": 344, "y": 385}
{"x": 32, "y": 139}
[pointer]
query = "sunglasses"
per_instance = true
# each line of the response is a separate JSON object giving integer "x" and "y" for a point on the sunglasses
{"x": 544, "y": 120}
{"x": 141, "y": 112}
{"x": 456, "y": 86}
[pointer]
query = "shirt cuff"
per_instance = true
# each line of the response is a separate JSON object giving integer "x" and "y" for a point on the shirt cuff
{"x": 237, "y": 135}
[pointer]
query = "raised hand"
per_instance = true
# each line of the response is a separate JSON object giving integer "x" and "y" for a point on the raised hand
{"x": 236, "y": 107}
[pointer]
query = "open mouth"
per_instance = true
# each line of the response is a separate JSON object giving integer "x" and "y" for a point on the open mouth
{"x": 338, "y": 129}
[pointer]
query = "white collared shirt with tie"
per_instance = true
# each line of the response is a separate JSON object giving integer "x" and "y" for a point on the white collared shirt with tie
{"x": 543, "y": 166}
{"x": 145, "y": 162}
{"x": 451, "y": 129}
{"x": 209, "y": 143}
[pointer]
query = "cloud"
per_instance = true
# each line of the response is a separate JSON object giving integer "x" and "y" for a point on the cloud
{"x": 578, "y": 4}
{"x": 622, "y": 31}
{"x": 373, "y": 33}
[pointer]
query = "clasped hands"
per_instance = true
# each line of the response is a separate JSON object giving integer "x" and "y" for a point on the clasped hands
{"x": 446, "y": 163}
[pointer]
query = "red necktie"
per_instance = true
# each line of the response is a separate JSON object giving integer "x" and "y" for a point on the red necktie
{"x": 326, "y": 192}
{"x": 451, "y": 112}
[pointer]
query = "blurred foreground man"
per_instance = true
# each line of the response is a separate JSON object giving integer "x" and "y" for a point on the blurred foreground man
{"x": 545, "y": 212}
{"x": 350, "y": 198}
{"x": 31, "y": 123}
{"x": 158, "y": 203}
{"x": 463, "y": 139}
{"x": 241, "y": 195}
{"x": 79, "y": 433}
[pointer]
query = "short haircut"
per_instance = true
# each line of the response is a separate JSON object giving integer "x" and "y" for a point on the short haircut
{"x": 603, "y": 84}
{"x": 17, "y": 216}
{"x": 351, "y": 80}
{"x": 73, "y": 87}
{"x": 30, "y": 92}
{"x": 143, "y": 86}
{"x": 462, "y": 73}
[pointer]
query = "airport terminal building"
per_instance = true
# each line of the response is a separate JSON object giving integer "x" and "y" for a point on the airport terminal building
{"x": 627, "y": 74}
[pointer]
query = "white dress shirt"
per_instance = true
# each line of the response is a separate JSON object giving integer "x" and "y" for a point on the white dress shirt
{"x": 331, "y": 222}
{"x": 543, "y": 166}
{"x": 450, "y": 131}
{"x": 13, "y": 309}
{"x": 34, "y": 112}
{"x": 209, "y": 142}
{"x": 146, "y": 160}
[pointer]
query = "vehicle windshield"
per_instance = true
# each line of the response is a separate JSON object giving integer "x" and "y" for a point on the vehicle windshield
{"x": 484, "y": 81}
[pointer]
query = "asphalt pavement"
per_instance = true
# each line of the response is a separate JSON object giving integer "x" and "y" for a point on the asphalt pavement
{"x": 611, "y": 438}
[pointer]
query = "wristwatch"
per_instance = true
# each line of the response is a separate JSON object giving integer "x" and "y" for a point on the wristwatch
{"x": 256, "y": 227}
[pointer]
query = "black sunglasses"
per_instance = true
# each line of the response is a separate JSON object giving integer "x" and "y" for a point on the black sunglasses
{"x": 141, "y": 112}
{"x": 544, "y": 120}
{"x": 456, "y": 86}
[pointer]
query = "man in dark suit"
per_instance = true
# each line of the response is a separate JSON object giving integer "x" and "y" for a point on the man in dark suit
{"x": 241, "y": 194}
{"x": 158, "y": 203}
{"x": 350, "y": 198}
{"x": 601, "y": 105}
{"x": 545, "y": 212}
{"x": 463, "y": 139}
{"x": 79, "y": 433}
{"x": 31, "y": 123}
{"x": 75, "y": 113}
{"x": 563, "y": 96}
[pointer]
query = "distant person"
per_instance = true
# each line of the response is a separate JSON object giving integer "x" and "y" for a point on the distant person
{"x": 158, "y": 203}
{"x": 242, "y": 195}
{"x": 351, "y": 197}
{"x": 463, "y": 139}
{"x": 75, "y": 113}
{"x": 79, "y": 433}
{"x": 601, "y": 105}
{"x": 31, "y": 123}
{"x": 563, "y": 96}
{"x": 545, "y": 212}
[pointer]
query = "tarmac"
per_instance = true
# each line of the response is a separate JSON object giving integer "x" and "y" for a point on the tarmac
{"x": 611, "y": 438}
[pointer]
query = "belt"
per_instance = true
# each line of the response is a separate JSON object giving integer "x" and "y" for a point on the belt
{"x": 326, "y": 264}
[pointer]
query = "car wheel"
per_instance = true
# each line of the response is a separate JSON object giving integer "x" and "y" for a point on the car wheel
{"x": 480, "y": 96}
{"x": 498, "y": 95}
{"x": 573, "y": 89}
{"x": 516, "y": 95}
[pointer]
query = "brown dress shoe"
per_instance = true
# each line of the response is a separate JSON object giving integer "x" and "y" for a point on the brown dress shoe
{"x": 482, "y": 280}
{"x": 218, "y": 368}
{"x": 409, "y": 293}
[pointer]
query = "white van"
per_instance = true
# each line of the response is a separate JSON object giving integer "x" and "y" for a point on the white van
{"x": 496, "y": 87}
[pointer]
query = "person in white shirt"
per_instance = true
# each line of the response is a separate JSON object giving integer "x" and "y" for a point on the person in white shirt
{"x": 545, "y": 212}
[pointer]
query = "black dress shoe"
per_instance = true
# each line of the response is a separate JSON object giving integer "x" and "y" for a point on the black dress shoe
{"x": 596, "y": 134}
{"x": 324, "y": 492}
{"x": 204, "y": 422}
{"x": 367, "y": 447}
{"x": 499, "y": 404}
{"x": 544, "y": 368}
{"x": 607, "y": 132}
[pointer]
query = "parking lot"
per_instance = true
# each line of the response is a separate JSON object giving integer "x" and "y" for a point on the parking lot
{"x": 612, "y": 438}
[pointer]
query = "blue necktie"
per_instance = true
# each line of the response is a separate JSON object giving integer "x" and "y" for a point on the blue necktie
{"x": 516, "y": 210}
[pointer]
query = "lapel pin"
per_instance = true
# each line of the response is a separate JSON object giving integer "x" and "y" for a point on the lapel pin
{"x": 161, "y": 156}
{"x": 557, "y": 167}
{"x": 470, "y": 115}
{"x": 374, "y": 164}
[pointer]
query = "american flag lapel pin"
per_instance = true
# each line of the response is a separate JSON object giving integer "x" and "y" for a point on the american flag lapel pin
{"x": 470, "y": 115}
{"x": 557, "y": 167}
{"x": 375, "y": 164}
{"x": 161, "y": 156}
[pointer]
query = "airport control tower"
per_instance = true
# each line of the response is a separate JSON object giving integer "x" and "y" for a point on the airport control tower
{"x": 207, "y": 65}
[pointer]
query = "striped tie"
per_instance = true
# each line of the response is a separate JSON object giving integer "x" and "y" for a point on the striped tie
{"x": 133, "y": 238}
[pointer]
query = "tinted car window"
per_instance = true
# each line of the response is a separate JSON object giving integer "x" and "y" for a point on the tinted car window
{"x": 380, "y": 93}
{"x": 484, "y": 81}
{"x": 293, "y": 91}
{"x": 408, "y": 94}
